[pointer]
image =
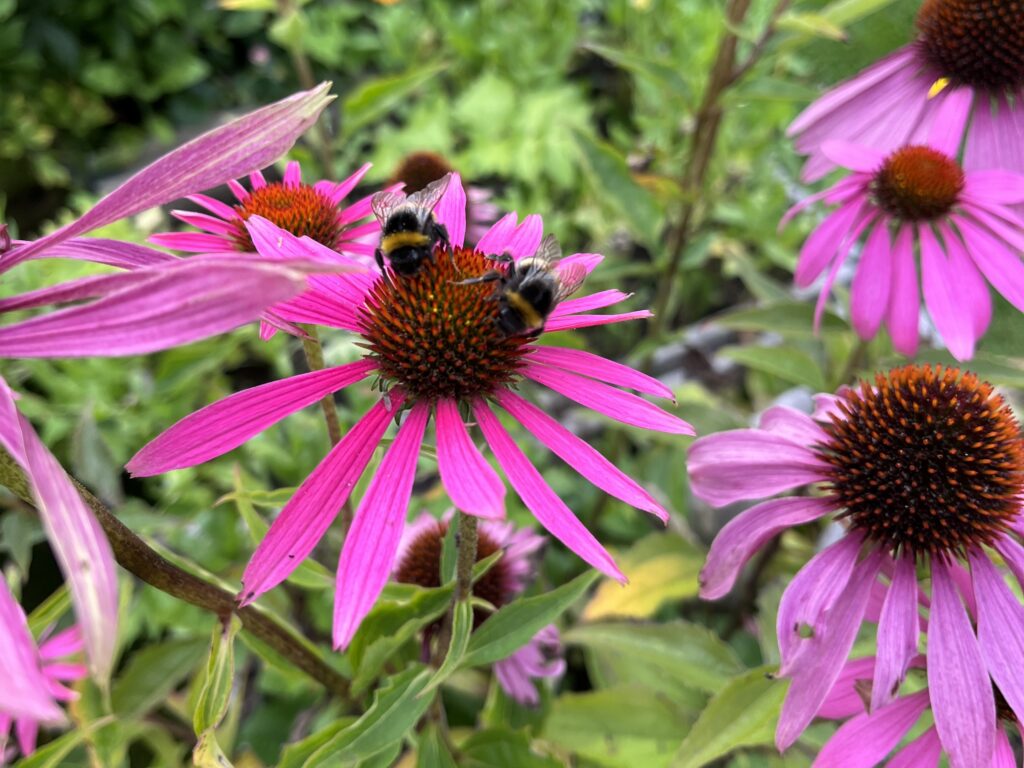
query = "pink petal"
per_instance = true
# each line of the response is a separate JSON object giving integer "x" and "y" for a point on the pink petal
{"x": 864, "y": 741}
{"x": 844, "y": 700}
{"x": 572, "y": 322}
{"x": 526, "y": 239}
{"x": 472, "y": 485}
{"x": 839, "y": 193}
{"x": 277, "y": 244}
{"x": 113, "y": 253}
{"x": 27, "y": 732}
{"x": 73, "y": 290}
{"x": 793, "y": 425}
{"x": 999, "y": 187}
{"x": 962, "y": 701}
{"x": 497, "y": 238}
{"x": 865, "y": 216}
{"x": 257, "y": 180}
{"x": 310, "y": 512}
{"x": 855, "y": 157}
{"x": 588, "y": 261}
{"x": 1000, "y": 630}
{"x": 820, "y": 248}
{"x": 750, "y": 464}
{"x": 23, "y": 693}
{"x": 975, "y": 297}
{"x": 372, "y": 541}
{"x": 226, "y": 424}
{"x": 905, "y": 299}
{"x": 315, "y": 307}
{"x": 823, "y": 660}
{"x": 1004, "y": 756}
{"x": 292, "y": 174}
{"x": 249, "y": 142}
{"x": 538, "y": 497}
{"x": 897, "y": 633}
{"x": 947, "y": 129}
{"x": 811, "y": 599}
{"x": 944, "y": 297}
{"x": 178, "y": 304}
{"x": 923, "y": 752}
{"x": 618, "y": 405}
{"x": 1003, "y": 268}
{"x": 578, "y": 454}
{"x": 63, "y": 644}
{"x": 206, "y": 222}
{"x": 342, "y": 189}
{"x": 192, "y": 242}
{"x": 589, "y": 303}
{"x": 214, "y": 206}
{"x": 451, "y": 211}
{"x": 748, "y": 532}
{"x": 600, "y": 368}
{"x": 869, "y": 294}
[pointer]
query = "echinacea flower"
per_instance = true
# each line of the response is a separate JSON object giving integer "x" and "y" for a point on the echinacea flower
{"x": 924, "y": 466}
{"x": 917, "y": 204}
{"x": 419, "y": 562}
{"x": 51, "y": 660}
{"x": 966, "y": 69}
{"x": 868, "y": 736}
{"x": 434, "y": 344}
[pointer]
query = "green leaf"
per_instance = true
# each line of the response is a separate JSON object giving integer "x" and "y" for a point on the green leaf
{"x": 49, "y": 611}
{"x": 152, "y": 673}
{"x": 215, "y": 693}
{"x": 462, "y": 628}
{"x": 845, "y": 12}
{"x": 742, "y": 714}
{"x": 449, "y": 553}
{"x": 789, "y": 318}
{"x": 688, "y": 653}
{"x": 614, "y": 185}
{"x": 295, "y": 755}
{"x": 397, "y": 707}
{"x": 663, "y": 76}
{"x": 816, "y": 24}
{"x": 208, "y": 753}
{"x": 432, "y": 751}
{"x": 501, "y": 749}
{"x": 514, "y": 625}
{"x": 52, "y": 754}
{"x": 373, "y": 100}
{"x": 787, "y": 363}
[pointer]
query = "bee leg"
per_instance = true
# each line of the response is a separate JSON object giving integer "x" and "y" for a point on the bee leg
{"x": 487, "y": 277}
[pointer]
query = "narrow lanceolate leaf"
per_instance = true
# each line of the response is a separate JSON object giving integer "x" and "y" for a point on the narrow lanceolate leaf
{"x": 172, "y": 305}
{"x": 432, "y": 751}
{"x": 397, "y": 707}
{"x": 24, "y": 690}
{"x": 215, "y": 694}
{"x": 208, "y": 753}
{"x": 245, "y": 144}
{"x": 462, "y": 628}
{"x": 513, "y": 626}
{"x": 75, "y": 535}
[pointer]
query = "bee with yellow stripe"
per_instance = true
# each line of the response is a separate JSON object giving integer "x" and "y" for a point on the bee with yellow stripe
{"x": 409, "y": 229}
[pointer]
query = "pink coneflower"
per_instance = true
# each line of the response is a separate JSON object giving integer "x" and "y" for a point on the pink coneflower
{"x": 918, "y": 200}
{"x": 868, "y": 736}
{"x": 435, "y": 347}
{"x": 966, "y": 69}
{"x": 55, "y": 669}
{"x": 419, "y": 562}
{"x": 925, "y": 466}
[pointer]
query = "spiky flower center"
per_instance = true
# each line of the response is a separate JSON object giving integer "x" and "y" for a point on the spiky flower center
{"x": 976, "y": 43}
{"x": 419, "y": 169}
{"x": 928, "y": 460}
{"x": 918, "y": 183}
{"x": 437, "y": 338}
{"x": 296, "y": 208}
{"x": 421, "y": 564}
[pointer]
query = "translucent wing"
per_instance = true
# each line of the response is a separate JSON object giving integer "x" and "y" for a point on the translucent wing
{"x": 383, "y": 203}
{"x": 570, "y": 278}
{"x": 429, "y": 196}
{"x": 548, "y": 254}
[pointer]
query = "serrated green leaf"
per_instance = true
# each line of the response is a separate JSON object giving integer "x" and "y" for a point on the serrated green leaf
{"x": 215, "y": 693}
{"x": 152, "y": 673}
{"x": 787, "y": 363}
{"x": 742, "y": 714}
{"x": 688, "y": 653}
{"x": 432, "y": 751}
{"x": 515, "y": 624}
{"x": 397, "y": 707}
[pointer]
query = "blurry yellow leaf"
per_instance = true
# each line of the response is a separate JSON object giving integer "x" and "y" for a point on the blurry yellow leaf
{"x": 660, "y": 567}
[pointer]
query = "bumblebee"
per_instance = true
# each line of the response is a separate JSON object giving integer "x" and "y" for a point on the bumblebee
{"x": 529, "y": 290}
{"x": 409, "y": 230}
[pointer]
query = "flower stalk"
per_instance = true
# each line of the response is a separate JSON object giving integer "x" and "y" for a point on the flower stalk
{"x": 466, "y": 544}
{"x": 314, "y": 352}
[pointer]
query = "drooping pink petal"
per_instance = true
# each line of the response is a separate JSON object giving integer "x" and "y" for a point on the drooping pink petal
{"x": 276, "y": 244}
{"x": 178, "y": 304}
{"x": 845, "y": 700}
{"x": 206, "y": 222}
{"x": 1002, "y": 268}
{"x": 600, "y": 368}
{"x": 749, "y": 464}
{"x": 855, "y": 157}
{"x": 113, "y": 253}
{"x": 372, "y": 541}
{"x": 810, "y": 599}
{"x": 317, "y": 308}
{"x": 472, "y": 484}
{"x": 73, "y": 290}
{"x": 820, "y": 248}
{"x": 962, "y": 700}
{"x": 27, "y": 732}
{"x": 214, "y": 206}
{"x": 995, "y": 186}
{"x": 904, "y": 297}
{"x": 793, "y": 425}
{"x": 589, "y": 303}
{"x": 538, "y": 497}
{"x": 578, "y": 454}
{"x": 923, "y": 752}
{"x": 947, "y": 129}
{"x": 865, "y": 216}
{"x": 191, "y": 242}
{"x": 23, "y": 693}
{"x": 226, "y": 424}
{"x": 573, "y": 322}
{"x": 944, "y": 298}
{"x": 823, "y": 661}
{"x": 865, "y": 740}
{"x": 251, "y": 141}
{"x": 1000, "y": 630}
{"x": 451, "y": 211}
{"x": 869, "y": 294}
{"x": 616, "y": 404}
{"x": 897, "y": 633}
{"x": 976, "y": 298}
{"x": 746, "y": 533}
{"x": 837, "y": 194}
{"x": 313, "y": 507}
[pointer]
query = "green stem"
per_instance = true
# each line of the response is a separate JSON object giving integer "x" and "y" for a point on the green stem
{"x": 858, "y": 356}
{"x": 465, "y": 543}
{"x": 315, "y": 360}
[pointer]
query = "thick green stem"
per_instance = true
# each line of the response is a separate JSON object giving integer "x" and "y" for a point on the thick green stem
{"x": 139, "y": 559}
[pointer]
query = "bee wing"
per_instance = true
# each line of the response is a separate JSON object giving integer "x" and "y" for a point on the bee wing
{"x": 548, "y": 254}
{"x": 383, "y": 203}
{"x": 429, "y": 196}
{"x": 570, "y": 278}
